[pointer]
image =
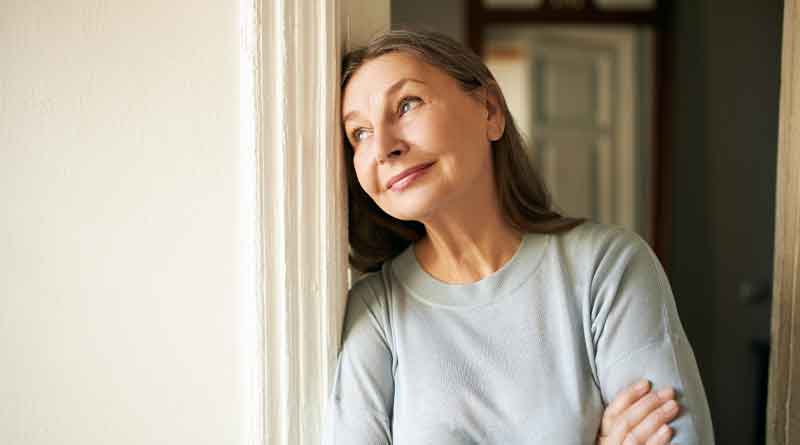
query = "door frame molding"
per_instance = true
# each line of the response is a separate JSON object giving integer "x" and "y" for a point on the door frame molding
{"x": 783, "y": 404}
{"x": 290, "y": 86}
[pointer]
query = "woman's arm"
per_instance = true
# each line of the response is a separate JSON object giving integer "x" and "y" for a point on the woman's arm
{"x": 359, "y": 408}
{"x": 637, "y": 333}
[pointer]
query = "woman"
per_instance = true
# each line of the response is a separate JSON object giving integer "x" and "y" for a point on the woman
{"x": 486, "y": 317}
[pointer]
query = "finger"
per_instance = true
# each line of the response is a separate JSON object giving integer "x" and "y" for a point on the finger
{"x": 613, "y": 431}
{"x": 667, "y": 393}
{"x": 617, "y": 434}
{"x": 621, "y": 402}
{"x": 631, "y": 417}
{"x": 627, "y": 397}
{"x": 662, "y": 436}
{"x": 654, "y": 422}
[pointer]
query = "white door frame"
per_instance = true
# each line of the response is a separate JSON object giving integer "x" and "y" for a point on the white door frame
{"x": 290, "y": 87}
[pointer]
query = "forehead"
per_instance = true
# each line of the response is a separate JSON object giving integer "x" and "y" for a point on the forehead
{"x": 369, "y": 83}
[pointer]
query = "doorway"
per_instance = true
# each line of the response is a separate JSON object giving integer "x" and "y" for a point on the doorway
{"x": 716, "y": 78}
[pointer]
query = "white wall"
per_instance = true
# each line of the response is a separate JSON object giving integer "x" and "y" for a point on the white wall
{"x": 124, "y": 239}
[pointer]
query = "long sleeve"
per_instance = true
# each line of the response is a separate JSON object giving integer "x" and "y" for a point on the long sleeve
{"x": 637, "y": 333}
{"x": 360, "y": 404}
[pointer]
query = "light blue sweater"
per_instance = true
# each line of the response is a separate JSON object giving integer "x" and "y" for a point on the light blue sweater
{"x": 530, "y": 354}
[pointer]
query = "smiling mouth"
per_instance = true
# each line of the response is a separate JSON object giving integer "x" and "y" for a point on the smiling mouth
{"x": 410, "y": 178}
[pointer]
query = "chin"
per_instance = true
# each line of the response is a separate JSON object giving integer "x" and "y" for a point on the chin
{"x": 415, "y": 204}
{"x": 417, "y": 210}
{"x": 407, "y": 217}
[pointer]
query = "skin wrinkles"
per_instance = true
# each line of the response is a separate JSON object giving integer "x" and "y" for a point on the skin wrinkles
{"x": 456, "y": 199}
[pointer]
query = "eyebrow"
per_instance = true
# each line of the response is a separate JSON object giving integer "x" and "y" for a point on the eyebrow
{"x": 389, "y": 91}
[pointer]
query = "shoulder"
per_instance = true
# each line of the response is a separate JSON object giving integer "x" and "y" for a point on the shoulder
{"x": 594, "y": 242}
{"x": 373, "y": 287}
{"x": 370, "y": 297}
{"x": 594, "y": 237}
{"x": 601, "y": 251}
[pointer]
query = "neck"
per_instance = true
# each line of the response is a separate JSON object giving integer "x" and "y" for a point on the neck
{"x": 467, "y": 243}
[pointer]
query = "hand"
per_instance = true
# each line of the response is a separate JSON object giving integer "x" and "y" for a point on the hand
{"x": 638, "y": 416}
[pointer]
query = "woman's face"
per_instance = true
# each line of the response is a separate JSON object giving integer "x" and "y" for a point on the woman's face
{"x": 400, "y": 112}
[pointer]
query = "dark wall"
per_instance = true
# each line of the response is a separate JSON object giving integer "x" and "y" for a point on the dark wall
{"x": 724, "y": 129}
{"x": 742, "y": 90}
{"x": 445, "y": 16}
{"x": 691, "y": 247}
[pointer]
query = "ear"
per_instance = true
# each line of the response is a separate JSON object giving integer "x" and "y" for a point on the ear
{"x": 495, "y": 118}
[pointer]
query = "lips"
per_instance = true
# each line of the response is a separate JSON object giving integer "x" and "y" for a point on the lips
{"x": 407, "y": 172}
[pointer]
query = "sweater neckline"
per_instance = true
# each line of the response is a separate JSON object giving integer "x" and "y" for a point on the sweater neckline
{"x": 426, "y": 288}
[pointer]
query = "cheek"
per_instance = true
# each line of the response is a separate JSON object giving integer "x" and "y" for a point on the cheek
{"x": 450, "y": 129}
{"x": 461, "y": 146}
{"x": 468, "y": 131}
{"x": 364, "y": 173}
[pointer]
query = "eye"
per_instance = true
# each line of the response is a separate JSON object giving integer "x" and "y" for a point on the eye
{"x": 357, "y": 133}
{"x": 406, "y": 104}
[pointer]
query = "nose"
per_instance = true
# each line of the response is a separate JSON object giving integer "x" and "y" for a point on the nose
{"x": 388, "y": 144}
